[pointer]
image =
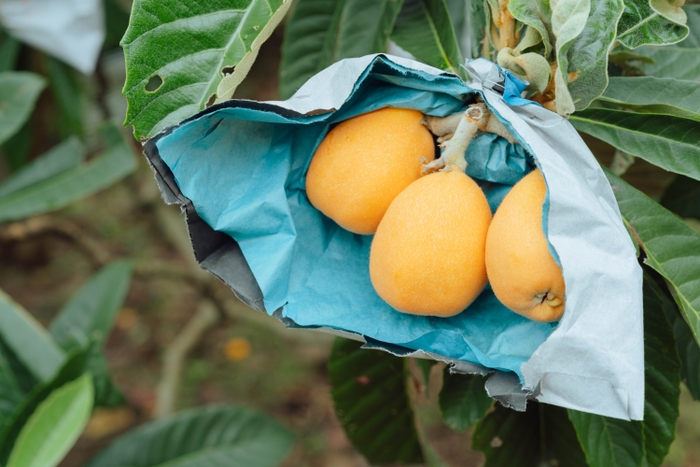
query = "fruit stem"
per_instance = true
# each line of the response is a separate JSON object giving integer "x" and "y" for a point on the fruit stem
{"x": 456, "y": 147}
{"x": 456, "y": 131}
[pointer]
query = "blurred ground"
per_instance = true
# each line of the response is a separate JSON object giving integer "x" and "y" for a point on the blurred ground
{"x": 247, "y": 358}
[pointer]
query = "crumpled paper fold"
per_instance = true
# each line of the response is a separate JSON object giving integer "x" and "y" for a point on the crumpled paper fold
{"x": 239, "y": 167}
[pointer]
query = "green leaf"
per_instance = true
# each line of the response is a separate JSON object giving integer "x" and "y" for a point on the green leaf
{"x": 536, "y": 14}
{"x": 477, "y": 45}
{"x": 90, "y": 313}
{"x": 65, "y": 188}
{"x": 65, "y": 156}
{"x": 87, "y": 319}
{"x": 55, "y": 426}
{"x": 681, "y": 197}
{"x": 107, "y": 394}
{"x": 29, "y": 341}
{"x": 567, "y": 25}
{"x": 10, "y": 430}
{"x": 321, "y": 32}
{"x": 369, "y": 391}
{"x": 693, "y": 22}
{"x": 19, "y": 91}
{"x": 646, "y": 22}
{"x": 116, "y": 23}
{"x": 672, "y": 62}
{"x": 669, "y": 142}
{"x": 587, "y": 56}
{"x": 650, "y": 94}
{"x": 22, "y": 375}
{"x": 542, "y": 435}
{"x": 662, "y": 376}
{"x": 463, "y": 400}
{"x": 424, "y": 29}
{"x": 11, "y": 393}
{"x": 9, "y": 51}
{"x": 192, "y": 50}
{"x": 688, "y": 350}
{"x": 457, "y": 9}
{"x": 68, "y": 94}
{"x": 610, "y": 442}
{"x": 17, "y": 148}
{"x": 672, "y": 248}
{"x": 204, "y": 437}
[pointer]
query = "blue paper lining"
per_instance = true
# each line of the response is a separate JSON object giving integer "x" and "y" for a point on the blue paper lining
{"x": 244, "y": 171}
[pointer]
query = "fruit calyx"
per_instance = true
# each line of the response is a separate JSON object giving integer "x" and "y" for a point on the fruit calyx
{"x": 545, "y": 297}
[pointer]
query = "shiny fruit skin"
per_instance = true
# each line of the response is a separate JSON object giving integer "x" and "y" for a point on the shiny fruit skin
{"x": 427, "y": 257}
{"x": 522, "y": 272}
{"x": 364, "y": 163}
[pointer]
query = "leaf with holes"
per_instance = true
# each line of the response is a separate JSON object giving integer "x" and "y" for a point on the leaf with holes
{"x": 19, "y": 91}
{"x": 651, "y": 22}
{"x": 650, "y": 94}
{"x": 669, "y": 142}
{"x": 542, "y": 435}
{"x": 204, "y": 437}
{"x": 369, "y": 391}
{"x": 321, "y": 32}
{"x": 463, "y": 400}
{"x": 196, "y": 52}
{"x": 424, "y": 29}
{"x": 672, "y": 248}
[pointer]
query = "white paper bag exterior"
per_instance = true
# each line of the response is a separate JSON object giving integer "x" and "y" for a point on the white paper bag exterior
{"x": 71, "y": 30}
{"x": 594, "y": 360}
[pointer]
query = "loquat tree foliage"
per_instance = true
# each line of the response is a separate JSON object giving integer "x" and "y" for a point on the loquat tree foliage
{"x": 626, "y": 73}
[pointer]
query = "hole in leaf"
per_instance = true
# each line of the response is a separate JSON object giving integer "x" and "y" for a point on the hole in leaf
{"x": 227, "y": 70}
{"x": 154, "y": 83}
{"x": 211, "y": 100}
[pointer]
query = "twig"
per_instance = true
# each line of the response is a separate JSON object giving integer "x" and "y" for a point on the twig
{"x": 40, "y": 225}
{"x": 175, "y": 354}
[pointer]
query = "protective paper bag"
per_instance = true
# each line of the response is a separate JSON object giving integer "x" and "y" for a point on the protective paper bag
{"x": 71, "y": 30}
{"x": 239, "y": 170}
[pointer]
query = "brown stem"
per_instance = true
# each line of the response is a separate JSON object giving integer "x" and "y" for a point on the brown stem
{"x": 175, "y": 354}
{"x": 41, "y": 225}
{"x": 506, "y": 26}
{"x": 548, "y": 96}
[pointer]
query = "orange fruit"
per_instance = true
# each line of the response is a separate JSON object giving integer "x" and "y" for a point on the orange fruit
{"x": 522, "y": 271}
{"x": 364, "y": 163}
{"x": 427, "y": 257}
